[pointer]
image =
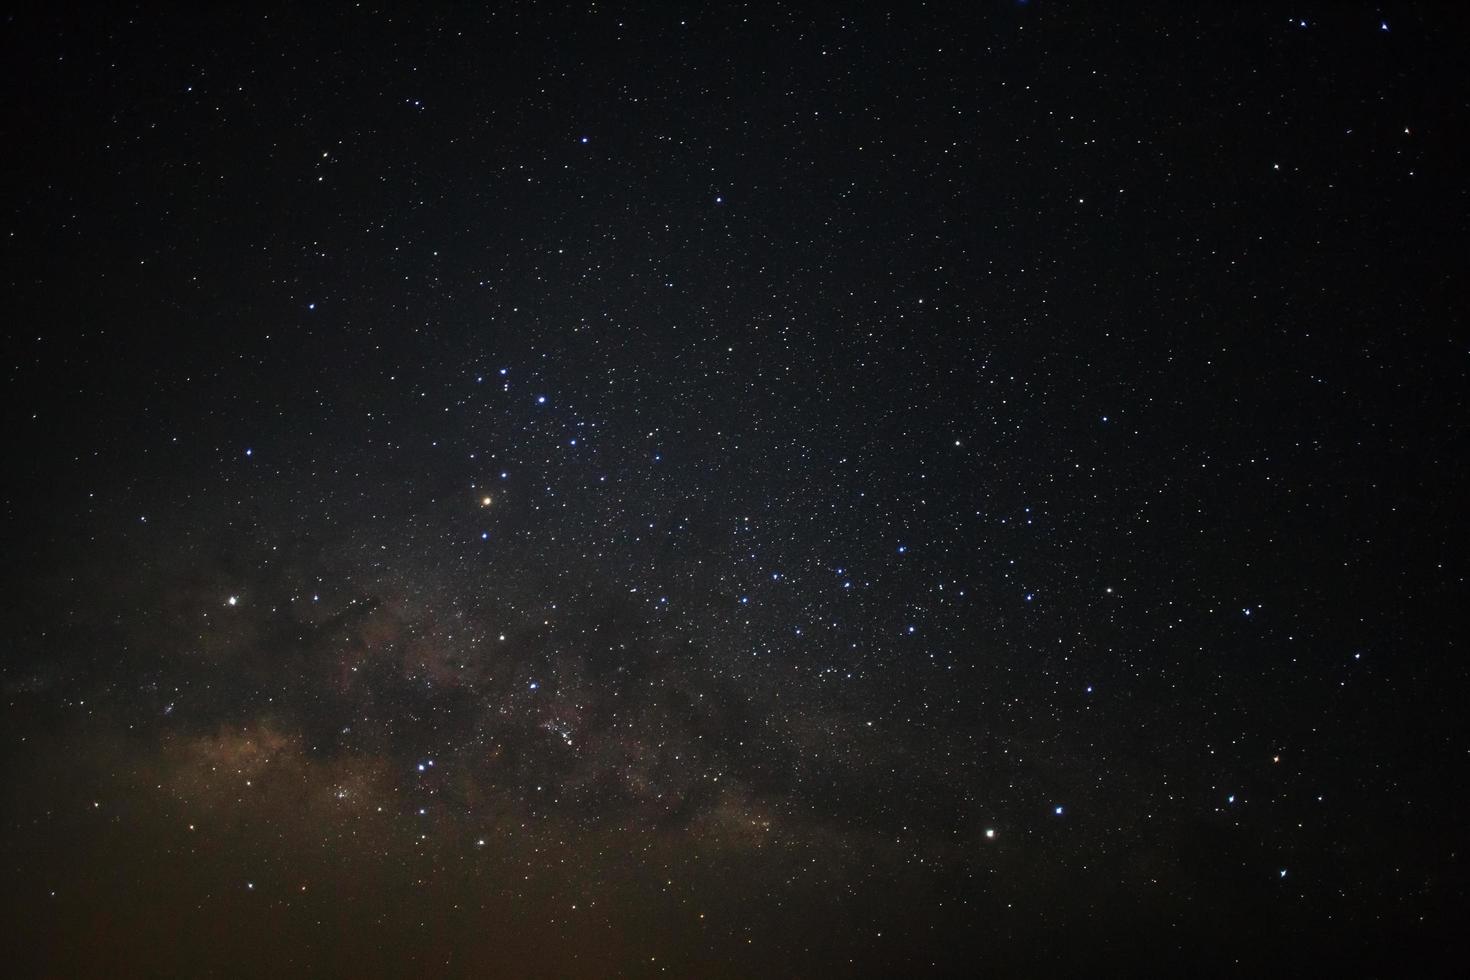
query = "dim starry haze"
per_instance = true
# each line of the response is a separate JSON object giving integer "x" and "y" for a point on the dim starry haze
{"x": 729, "y": 490}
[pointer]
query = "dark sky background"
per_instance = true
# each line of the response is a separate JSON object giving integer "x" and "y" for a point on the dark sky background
{"x": 610, "y": 491}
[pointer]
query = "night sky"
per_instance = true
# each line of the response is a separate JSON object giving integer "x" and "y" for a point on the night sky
{"x": 728, "y": 492}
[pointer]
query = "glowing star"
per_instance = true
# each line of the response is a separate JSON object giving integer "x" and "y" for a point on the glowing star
{"x": 233, "y": 600}
{"x": 485, "y": 501}
{"x": 989, "y": 833}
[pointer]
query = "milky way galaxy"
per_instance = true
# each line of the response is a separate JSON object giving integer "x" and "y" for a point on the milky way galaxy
{"x": 581, "y": 492}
